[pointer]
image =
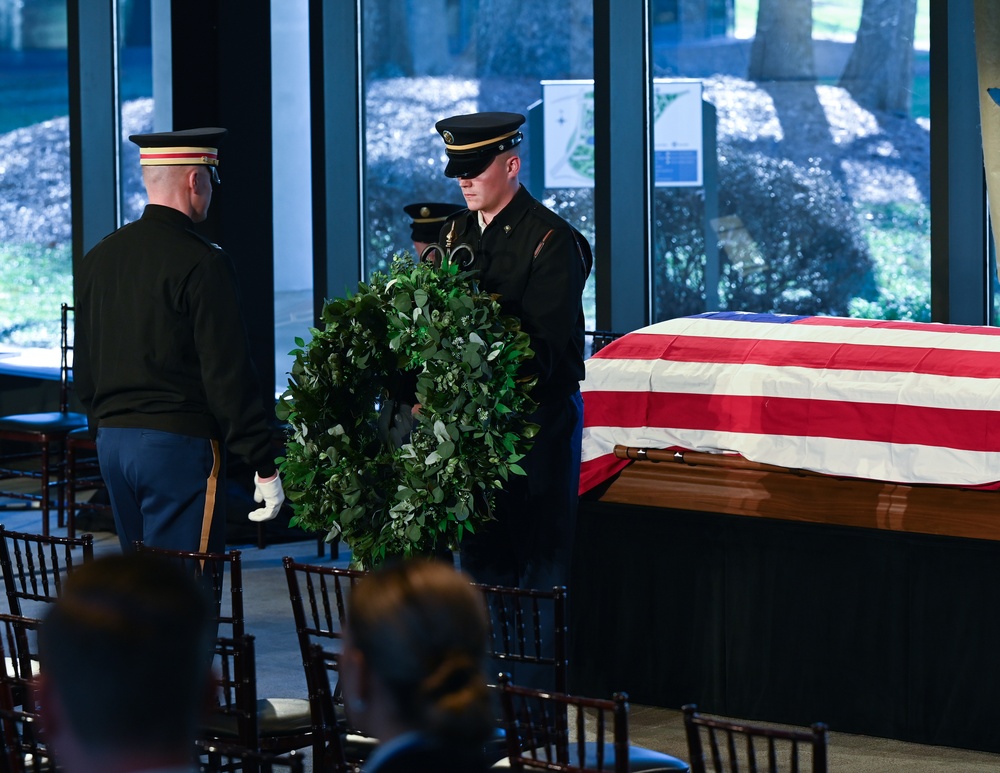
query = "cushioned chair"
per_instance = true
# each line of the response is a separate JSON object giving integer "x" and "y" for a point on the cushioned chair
{"x": 559, "y": 732}
{"x": 318, "y": 595}
{"x": 239, "y": 718}
{"x": 34, "y": 567}
{"x": 729, "y": 746}
{"x": 282, "y": 724}
{"x": 528, "y": 630}
{"x": 34, "y": 443}
{"x": 329, "y": 734}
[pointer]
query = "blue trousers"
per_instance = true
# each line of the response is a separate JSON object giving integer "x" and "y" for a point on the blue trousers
{"x": 165, "y": 488}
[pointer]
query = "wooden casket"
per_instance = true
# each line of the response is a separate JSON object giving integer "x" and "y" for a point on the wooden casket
{"x": 862, "y": 590}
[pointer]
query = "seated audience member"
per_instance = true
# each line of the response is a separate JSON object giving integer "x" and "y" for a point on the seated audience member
{"x": 412, "y": 668}
{"x": 125, "y": 659}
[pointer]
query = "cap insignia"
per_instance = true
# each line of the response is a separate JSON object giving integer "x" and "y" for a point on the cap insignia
{"x": 448, "y": 137}
{"x": 425, "y": 212}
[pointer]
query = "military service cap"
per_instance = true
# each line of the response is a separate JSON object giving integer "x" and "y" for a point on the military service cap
{"x": 473, "y": 141}
{"x": 428, "y": 219}
{"x": 188, "y": 146}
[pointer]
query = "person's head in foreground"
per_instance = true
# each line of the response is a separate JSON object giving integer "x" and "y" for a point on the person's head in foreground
{"x": 413, "y": 660}
{"x": 125, "y": 655}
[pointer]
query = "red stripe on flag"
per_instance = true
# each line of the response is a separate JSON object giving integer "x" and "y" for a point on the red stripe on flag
{"x": 595, "y": 471}
{"x": 884, "y": 423}
{"x": 958, "y": 363}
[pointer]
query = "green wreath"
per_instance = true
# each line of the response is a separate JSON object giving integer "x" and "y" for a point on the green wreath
{"x": 420, "y": 335}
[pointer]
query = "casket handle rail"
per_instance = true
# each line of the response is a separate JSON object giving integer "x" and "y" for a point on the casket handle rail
{"x": 699, "y": 458}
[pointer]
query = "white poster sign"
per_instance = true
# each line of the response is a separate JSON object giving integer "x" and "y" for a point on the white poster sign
{"x": 569, "y": 133}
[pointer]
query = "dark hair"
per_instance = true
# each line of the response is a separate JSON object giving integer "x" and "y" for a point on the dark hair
{"x": 423, "y": 629}
{"x": 127, "y": 648}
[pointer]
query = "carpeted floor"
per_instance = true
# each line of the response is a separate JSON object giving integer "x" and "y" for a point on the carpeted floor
{"x": 280, "y": 672}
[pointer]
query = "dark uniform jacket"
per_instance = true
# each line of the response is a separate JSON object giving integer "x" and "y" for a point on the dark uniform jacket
{"x": 538, "y": 264}
{"x": 160, "y": 341}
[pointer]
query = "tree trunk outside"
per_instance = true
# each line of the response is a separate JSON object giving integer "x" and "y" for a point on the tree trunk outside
{"x": 782, "y": 47}
{"x": 879, "y": 72}
{"x": 387, "y": 22}
{"x": 522, "y": 39}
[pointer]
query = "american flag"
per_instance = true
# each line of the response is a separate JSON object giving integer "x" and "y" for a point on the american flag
{"x": 904, "y": 402}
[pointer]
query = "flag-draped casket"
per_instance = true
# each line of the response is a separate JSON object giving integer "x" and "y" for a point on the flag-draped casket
{"x": 898, "y": 417}
{"x": 864, "y": 448}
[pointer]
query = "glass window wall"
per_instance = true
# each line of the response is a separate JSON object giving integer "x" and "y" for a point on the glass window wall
{"x": 430, "y": 60}
{"x": 816, "y": 198}
{"x": 135, "y": 93}
{"x": 35, "y": 253}
{"x": 293, "y": 246}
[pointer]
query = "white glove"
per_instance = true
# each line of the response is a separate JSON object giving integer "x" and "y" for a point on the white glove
{"x": 271, "y": 494}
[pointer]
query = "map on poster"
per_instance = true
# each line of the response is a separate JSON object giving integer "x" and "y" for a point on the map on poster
{"x": 569, "y": 133}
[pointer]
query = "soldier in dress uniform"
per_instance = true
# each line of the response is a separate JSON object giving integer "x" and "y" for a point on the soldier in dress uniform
{"x": 538, "y": 264}
{"x": 162, "y": 359}
{"x": 426, "y": 219}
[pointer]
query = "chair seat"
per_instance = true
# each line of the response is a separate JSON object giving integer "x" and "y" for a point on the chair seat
{"x": 82, "y": 435}
{"x": 53, "y": 421}
{"x": 275, "y": 716}
{"x": 640, "y": 759}
{"x": 283, "y": 716}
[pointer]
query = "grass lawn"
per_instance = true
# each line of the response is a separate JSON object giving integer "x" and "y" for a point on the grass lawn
{"x": 34, "y": 281}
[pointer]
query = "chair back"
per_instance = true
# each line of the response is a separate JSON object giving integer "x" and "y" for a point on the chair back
{"x": 19, "y": 657}
{"x": 22, "y": 747}
{"x": 215, "y": 757}
{"x": 559, "y": 732}
{"x": 328, "y": 746}
{"x": 318, "y": 595}
{"x": 34, "y": 566}
{"x": 595, "y": 340}
{"x": 210, "y": 569}
{"x": 729, "y": 746}
{"x": 529, "y": 626}
{"x": 65, "y": 356}
{"x": 232, "y": 717}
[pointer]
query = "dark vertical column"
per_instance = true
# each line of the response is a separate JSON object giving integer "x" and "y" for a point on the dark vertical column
{"x": 959, "y": 261}
{"x": 623, "y": 159}
{"x": 93, "y": 93}
{"x": 337, "y": 101}
{"x": 221, "y": 56}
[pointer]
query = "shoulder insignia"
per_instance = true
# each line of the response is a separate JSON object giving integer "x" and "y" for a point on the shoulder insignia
{"x": 541, "y": 243}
